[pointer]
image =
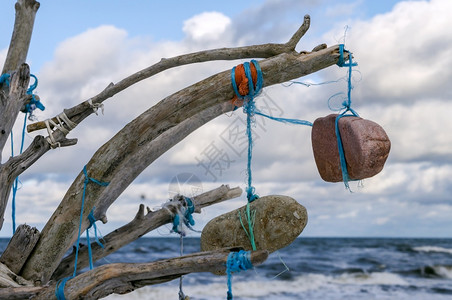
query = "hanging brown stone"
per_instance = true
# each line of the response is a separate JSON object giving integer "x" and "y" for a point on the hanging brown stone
{"x": 279, "y": 221}
{"x": 365, "y": 143}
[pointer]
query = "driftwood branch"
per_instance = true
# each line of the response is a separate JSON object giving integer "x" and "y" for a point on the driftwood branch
{"x": 12, "y": 98}
{"x": 19, "y": 247}
{"x": 84, "y": 109}
{"x": 16, "y": 95}
{"x": 140, "y": 225}
{"x": 145, "y": 139}
{"x": 21, "y": 37}
{"x": 10, "y": 279}
{"x": 122, "y": 278}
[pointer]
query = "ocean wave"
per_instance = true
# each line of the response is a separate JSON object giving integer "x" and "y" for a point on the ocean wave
{"x": 435, "y": 271}
{"x": 374, "y": 278}
{"x": 440, "y": 271}
{"x": 261, "y": 288}
{"x": 433, "y": 249}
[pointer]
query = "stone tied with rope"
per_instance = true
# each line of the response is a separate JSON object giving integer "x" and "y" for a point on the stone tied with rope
{"x": 347, "y": 147}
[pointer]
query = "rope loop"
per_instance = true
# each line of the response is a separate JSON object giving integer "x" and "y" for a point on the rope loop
{"x": 185, "y": 213}
{"x": 63, "y": 120}
{"x": 96, "y": 106}
{"x": 35, "y": 101}
{"x": 237, "y": 262}
{"x": 247, "y": 80}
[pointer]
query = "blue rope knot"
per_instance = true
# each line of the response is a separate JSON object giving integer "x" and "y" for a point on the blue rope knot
{"x": 237, "y": 261}
{"x": 187, "y": 216}
{"x": 5, "y": 79}
{"x": 35, "y": 101}
{"x": 250, "y": 194}
{"x": 254, "y": 89}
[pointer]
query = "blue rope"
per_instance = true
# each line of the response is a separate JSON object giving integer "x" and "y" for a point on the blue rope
{"x": 187, "y": 218}
{"x": 346, "y": 105}
{"x": 5, "y": 79}
{"x": 16, "y": 181}
{"x": 59, "y": 292}
{"x": 29, "y": 108}
{"x": 34, "y": 103}
{"x": 250, "y": 109}
{"x": 284, "y": 120}
{"x": 237, "y": 261}
{"x": 92, "y": 223}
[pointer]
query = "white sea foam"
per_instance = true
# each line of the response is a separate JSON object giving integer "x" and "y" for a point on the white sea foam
{"x": 314, "y": 284}
{"x": 433, "y": 249}
{"x": 375, "y": 278}
{"x": 444, "y": 271}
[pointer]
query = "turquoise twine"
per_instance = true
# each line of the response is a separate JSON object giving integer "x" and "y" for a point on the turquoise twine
{"x": 187, "y": 218}
{"x": 59, "y": 292}
{"x": 33, "y": 104}
{"x": 237, "y": 261}
{"x": 345, "y": 105}
{"x": 249, "y": 108}
{"x": 92, "y": 223}
{"x": 5, "y": 79}
{"x": 28, "y": 110}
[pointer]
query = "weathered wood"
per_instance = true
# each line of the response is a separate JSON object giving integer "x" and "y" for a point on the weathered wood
{"x": 10, "y": 110}
{"x": 122, "y": 278}
{"x": 20, "y": 247}
{"x": 21, "y": 37}
{"x": 262, "y": 51}
{"x": 19, "y": 293}
{"x": 10, "y": 279}
{"x": 140, "y": 225}
{"x": 115, "y": 161}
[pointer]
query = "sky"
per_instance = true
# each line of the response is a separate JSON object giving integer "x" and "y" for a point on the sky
{"x": 404, "y": 54}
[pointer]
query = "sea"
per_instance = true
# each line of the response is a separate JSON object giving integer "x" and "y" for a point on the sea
{"x": 309, "y": 268}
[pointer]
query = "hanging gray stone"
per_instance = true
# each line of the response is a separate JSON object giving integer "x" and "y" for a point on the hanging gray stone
{"x": 365, "y": 143}
{"x": 279, "y": 221}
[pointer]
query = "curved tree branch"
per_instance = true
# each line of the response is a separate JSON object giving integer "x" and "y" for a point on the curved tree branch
{"x": 122, "y": 278}
{"x": 263, "y": 51}
{"x": 139, "y": 226}
{"x": 139, "y": 141}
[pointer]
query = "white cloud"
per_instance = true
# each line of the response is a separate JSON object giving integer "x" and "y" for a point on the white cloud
{"x": 381, "y": 221}
{"x": 206, "y": 26}
{"x": 80, "y": 59}
{"x": 402, "y": 53}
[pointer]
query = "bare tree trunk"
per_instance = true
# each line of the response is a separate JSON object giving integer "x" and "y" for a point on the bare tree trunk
{"x": 20, "y": 40}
